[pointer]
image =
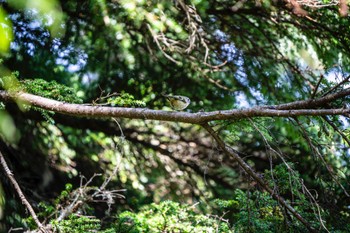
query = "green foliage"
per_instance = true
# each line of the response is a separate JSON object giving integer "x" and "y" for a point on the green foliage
{"x": 7, "y": 127}
{"x": 14, "y": 217}
{"x": 225, "y": 204}
{"x": 51, "y": 90}
{"x": 47, "y": 210}
{"x": 257, "y": 212}
{"x": 125, "y": 100}
{"x": 77, "y": 224}
{"x": 169, "y": 216}
{"x": 40, "y": 87}
{"x": 10, "y": 82}
{"x": 239, "y": 130}
{"x": 222, "y": 55}
{"x": 285, "y": 178}
{"x": 286, "y": 181}
{"x": 64, "y": 194}
{"x": 47, "y": 115}
{"x": 6, "y": 33}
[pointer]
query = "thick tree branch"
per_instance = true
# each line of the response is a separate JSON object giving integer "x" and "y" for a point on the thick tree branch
{"x": 314, "y": 103}
{"x": 298, "y": 108}
{"x": 231, "y": 152}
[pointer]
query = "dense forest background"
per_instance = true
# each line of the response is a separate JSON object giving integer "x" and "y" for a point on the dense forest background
{"x": 88, "y": 143}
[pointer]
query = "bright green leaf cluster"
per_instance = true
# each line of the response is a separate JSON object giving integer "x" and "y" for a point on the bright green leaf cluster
{"x": 237, "y": 129}
{"x": 40, "y": 87}
{"x": 125, "y": 100}
{"x": 6, "y": 33}
{"x": 225, "y": 204}
{"x": 285, "y": 178}
{"x": 51, "y": 90}
{"x": 256, "y": 212}
{"x": 77, "y": 224}
{"x": 10, "y": 82}
{"x": 64, "y": 194}
{"x": 169, "y": 216}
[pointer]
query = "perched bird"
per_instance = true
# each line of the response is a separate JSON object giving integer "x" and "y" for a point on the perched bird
{"x": 178, "y": 102}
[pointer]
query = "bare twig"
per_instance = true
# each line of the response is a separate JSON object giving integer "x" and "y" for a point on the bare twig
{"x": 103, "y": 97}
{"x": 24, "y": 200}
{"x": 291, "y": 171}
{"x": 116, "y": 168}
{"x": 316, "y": 88}
{"x": 69, "y": 209}
{"x": 336, "y": 86}
{"x": 318, "y": 3}
{"x": 320, "y": 157}
{"x": 196, "y": 38}
{"x": 80, "y": 196}
{"x": 155, "y": 37}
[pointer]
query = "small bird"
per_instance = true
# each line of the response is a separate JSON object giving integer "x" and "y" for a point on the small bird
{"x": 178, "y": 102}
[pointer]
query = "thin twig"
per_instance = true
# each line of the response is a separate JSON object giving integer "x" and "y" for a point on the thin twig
{"x": 160, "y": 47}
{"x": 336, "y": 86}
{"x": 292, "y": 172}
{"x": 316, "y": 88}
{"x": 24, "y": 200}
{"x": 69, "y": 209}
{"x": 231, "y": 152}
{"x": 337, "y": 130}
{"x": 320, "y": 157}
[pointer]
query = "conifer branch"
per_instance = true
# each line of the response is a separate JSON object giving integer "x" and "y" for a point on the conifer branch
{"x": 231, "y": 152}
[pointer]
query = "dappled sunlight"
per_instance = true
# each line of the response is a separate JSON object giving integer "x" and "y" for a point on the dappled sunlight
{"x": 171, "y": 116}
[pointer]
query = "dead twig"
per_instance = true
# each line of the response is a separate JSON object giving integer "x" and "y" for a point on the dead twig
{"x": 24, "y": 200}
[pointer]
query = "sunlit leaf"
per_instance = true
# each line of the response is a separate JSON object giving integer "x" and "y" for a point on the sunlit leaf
{"x": 7, "y": 127}
{"x": 6, "y": 34}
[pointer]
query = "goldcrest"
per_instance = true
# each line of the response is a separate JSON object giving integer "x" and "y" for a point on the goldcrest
{"x": 178, "y": 102}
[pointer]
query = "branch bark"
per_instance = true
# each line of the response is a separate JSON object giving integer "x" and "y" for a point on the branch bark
{"x": 12, "y": 179}
{"x": 297, "y": 108}
{"x": 310, "y": 107}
